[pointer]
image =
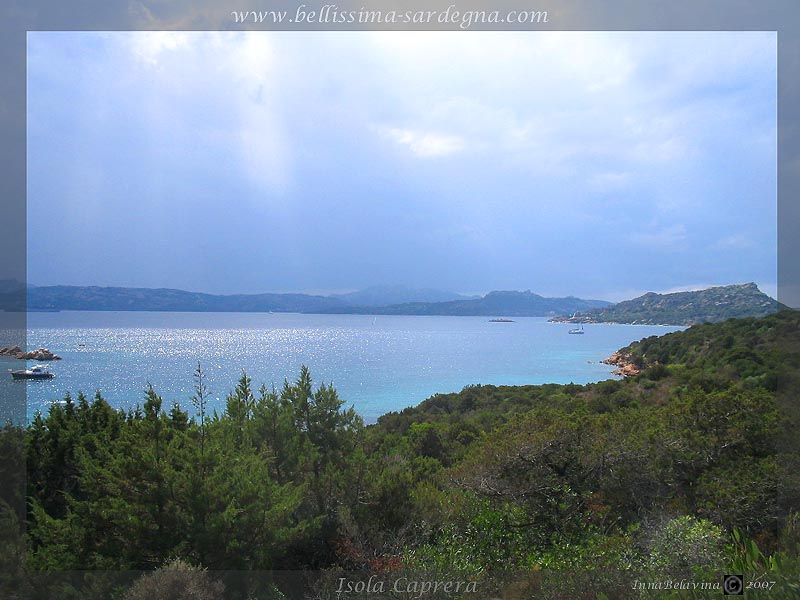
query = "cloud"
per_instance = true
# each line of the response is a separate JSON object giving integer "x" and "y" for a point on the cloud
{"x": 736, "y": 241}
{"x": 530, "y": 140}
{"x": 585, "y": 98}
{"x": 461, "y": 232}
{"x": 264, "y": 144}
{"x": 547, "y": 101}
{"x": 667, "y": 237}
{"x": 426, "y": 145}
{"x": 148, "y": 46}
{"x": 610, "y": 180}
{"x": 207, "y": 94}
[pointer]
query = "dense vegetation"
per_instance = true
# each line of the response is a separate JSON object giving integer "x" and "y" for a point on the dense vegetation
{"x": 553, "y": 491}
{"x": 684, "y": 308}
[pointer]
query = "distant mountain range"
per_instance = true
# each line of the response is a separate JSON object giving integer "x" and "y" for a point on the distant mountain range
{"x": 509, "y": 304}
{"x": 390, "y": 300}
{"x": 11, "y": 285}
{"x": 12, "y": 295}
{"x": 683, "y": 308}
{"x": 67, "y": 297}
{"x": 384, "y": 295}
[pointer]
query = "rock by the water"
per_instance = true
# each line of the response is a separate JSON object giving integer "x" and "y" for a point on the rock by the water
{"x": 40, "y": 355}
{"x": 626, "y": 367}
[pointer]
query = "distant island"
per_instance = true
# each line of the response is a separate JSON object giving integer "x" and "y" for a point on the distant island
{"x": 67, "y": 297}
{"x": 381, "y": 300}
{"x": 682, "y": 308}
{"x": 508, "y": 303}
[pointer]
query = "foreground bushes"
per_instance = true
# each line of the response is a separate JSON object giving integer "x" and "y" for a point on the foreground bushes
{"x": 676, "y": 470}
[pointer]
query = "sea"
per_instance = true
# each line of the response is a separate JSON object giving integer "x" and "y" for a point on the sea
{"x": 376, "y": 363}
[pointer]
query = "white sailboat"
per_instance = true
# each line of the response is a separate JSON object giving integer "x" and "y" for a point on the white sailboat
{"x": 576, "y": 330}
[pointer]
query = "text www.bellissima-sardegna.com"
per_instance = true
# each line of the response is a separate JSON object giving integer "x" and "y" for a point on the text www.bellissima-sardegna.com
{"x": 333, "y": 15}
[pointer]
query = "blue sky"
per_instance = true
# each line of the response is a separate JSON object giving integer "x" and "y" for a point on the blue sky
{"x": 599, "y": 165}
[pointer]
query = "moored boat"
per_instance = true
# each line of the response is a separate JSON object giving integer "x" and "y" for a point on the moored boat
{"x": 35, "y": 372}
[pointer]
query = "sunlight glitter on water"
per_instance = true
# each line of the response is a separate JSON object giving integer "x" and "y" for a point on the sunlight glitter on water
{"x": 377, "y": 365}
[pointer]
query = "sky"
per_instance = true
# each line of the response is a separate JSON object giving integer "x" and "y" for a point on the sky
{"x": 594, "y": 164}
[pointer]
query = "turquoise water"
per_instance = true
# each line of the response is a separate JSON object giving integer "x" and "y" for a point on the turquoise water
{"x": 377, "y": 364}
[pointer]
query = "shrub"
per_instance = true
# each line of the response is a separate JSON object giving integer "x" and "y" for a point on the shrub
{"x": 686, "y": 544}
{"x": 176, "y": 580}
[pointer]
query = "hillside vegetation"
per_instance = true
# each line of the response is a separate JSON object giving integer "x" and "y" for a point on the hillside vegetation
{"x": 681, "y": 471}
{"x": 684, "y": 308}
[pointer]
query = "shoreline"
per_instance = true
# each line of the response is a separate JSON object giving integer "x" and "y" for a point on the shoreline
{"x": 622, "y": 361}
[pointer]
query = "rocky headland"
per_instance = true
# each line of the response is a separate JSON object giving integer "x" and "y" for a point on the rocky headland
{"x": 41, "y": 354}
{"x": 683, "y": 308}
{"x": 625, "y": 366}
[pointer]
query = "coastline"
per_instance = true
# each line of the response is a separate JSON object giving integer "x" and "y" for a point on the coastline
{"x": 380, "y": 366}
{"x": 625, "y": 367}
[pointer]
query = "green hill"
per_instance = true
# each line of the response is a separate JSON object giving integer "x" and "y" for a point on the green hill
{"x": 751, "y": 352}
{"x": 683, "y": 308}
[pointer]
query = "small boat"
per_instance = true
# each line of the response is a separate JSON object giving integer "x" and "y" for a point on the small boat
{"x": 500, "y": 321}
{"x": 35, "y": 372}
{"x": 578, "y": 330}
